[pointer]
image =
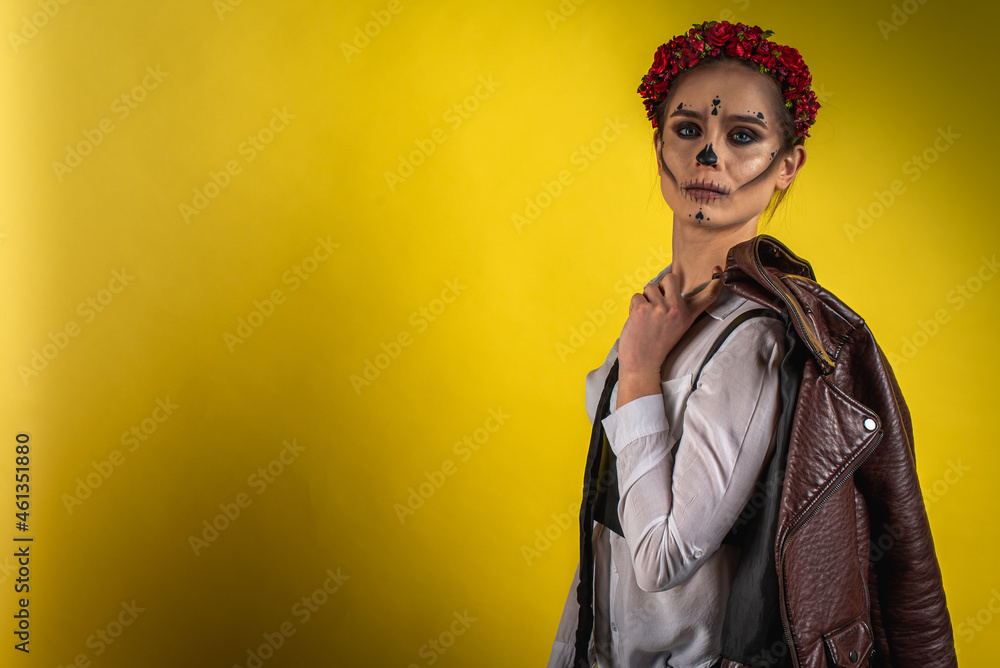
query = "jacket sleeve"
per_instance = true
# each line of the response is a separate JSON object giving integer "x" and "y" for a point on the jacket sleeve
{"x": 688, "y": 460}
{"x": 912, "y": 625}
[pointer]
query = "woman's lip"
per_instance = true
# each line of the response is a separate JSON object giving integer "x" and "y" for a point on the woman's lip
{"x": 702, "y": 193}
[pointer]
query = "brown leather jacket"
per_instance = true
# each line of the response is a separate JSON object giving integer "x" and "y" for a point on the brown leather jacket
{"x": 850, "y": 481}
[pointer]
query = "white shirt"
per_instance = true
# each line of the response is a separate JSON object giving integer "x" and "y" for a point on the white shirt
{"x": 688, "y": 462}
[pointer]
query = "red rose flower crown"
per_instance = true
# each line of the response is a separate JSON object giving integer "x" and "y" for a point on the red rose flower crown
{"x": 712, "y": 38}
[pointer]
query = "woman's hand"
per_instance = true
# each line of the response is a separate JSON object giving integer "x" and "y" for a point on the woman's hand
{"x": 657, "y": 319}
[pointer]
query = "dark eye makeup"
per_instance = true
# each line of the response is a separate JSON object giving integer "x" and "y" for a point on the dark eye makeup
{"x": 748, "y": 135}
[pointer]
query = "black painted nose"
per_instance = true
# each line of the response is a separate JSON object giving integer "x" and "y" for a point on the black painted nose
{"x": 707, "y": 156}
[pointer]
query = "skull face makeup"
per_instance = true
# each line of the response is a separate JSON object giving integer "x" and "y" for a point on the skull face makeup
{"x": 719, "y": 154}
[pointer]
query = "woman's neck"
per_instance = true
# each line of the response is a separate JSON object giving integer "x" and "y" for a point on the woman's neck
{"x": 697, "y": 249}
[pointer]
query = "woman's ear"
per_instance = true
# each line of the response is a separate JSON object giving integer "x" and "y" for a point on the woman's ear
{"x": 790, "y": 166}
{"x": 658, "y": 144}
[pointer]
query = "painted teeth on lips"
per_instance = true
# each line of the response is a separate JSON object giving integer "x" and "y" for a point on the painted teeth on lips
{"x": 709, "y": 186}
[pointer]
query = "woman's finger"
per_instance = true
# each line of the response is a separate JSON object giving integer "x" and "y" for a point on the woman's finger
{"x": 637, "y": 298}
{"x": 704, "y": 298}
{"x": 670, "y": 290}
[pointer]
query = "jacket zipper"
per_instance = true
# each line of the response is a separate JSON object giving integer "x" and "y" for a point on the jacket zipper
{"x": 788, "y": 537}
{"x": 795, "y": 314}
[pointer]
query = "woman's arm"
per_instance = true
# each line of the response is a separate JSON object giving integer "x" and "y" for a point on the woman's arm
{"x": 688, "y": 461}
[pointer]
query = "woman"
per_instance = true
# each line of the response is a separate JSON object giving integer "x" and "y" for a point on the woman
{"x": 693, "y": 419}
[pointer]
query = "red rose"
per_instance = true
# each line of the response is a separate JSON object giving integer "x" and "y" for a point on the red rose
{"x": 659, "y": 61}
{"x": 720, "y": 33}
{"x": 689, "y": 53}
{"x": 795, "y": 81}
{"x": 741, "y": 49}
{"x": 790, "y": 57}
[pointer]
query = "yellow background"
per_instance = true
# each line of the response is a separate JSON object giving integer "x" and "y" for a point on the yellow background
{"x": 559, "y": 75}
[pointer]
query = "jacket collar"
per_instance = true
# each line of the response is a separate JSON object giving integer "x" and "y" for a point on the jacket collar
{"x": 768, "y": 272}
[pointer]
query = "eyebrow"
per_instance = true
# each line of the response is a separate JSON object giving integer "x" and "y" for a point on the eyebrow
{"x": 701, "y": 117}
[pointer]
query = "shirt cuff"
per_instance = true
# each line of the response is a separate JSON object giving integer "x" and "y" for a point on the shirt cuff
{"x": 640, "y": 417}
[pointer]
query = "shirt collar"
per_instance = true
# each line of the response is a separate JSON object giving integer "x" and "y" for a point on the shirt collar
{"x": 727, "y": 301}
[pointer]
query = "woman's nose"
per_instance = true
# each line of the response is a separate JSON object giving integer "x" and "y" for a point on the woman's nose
{"x": 707, "y": 156}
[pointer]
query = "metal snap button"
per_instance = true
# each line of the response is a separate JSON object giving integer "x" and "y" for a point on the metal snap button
{"x": 869, "y": 424}
{"x": 852, "y": 655}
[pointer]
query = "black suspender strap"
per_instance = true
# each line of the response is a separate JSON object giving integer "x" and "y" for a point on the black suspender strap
{"x": 736, "y": 322}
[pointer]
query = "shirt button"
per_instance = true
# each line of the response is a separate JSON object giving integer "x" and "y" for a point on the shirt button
{"x": 697, "y": 554}
{"x": 869, "y": 424}
{"x": 614, "y": 567}
{"x": 614, "y": 628}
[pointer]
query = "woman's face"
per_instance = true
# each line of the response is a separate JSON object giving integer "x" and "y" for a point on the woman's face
{"x": 719, "y": 151}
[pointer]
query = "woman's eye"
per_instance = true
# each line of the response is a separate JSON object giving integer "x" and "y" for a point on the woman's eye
{"x": 739, "y": 136}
